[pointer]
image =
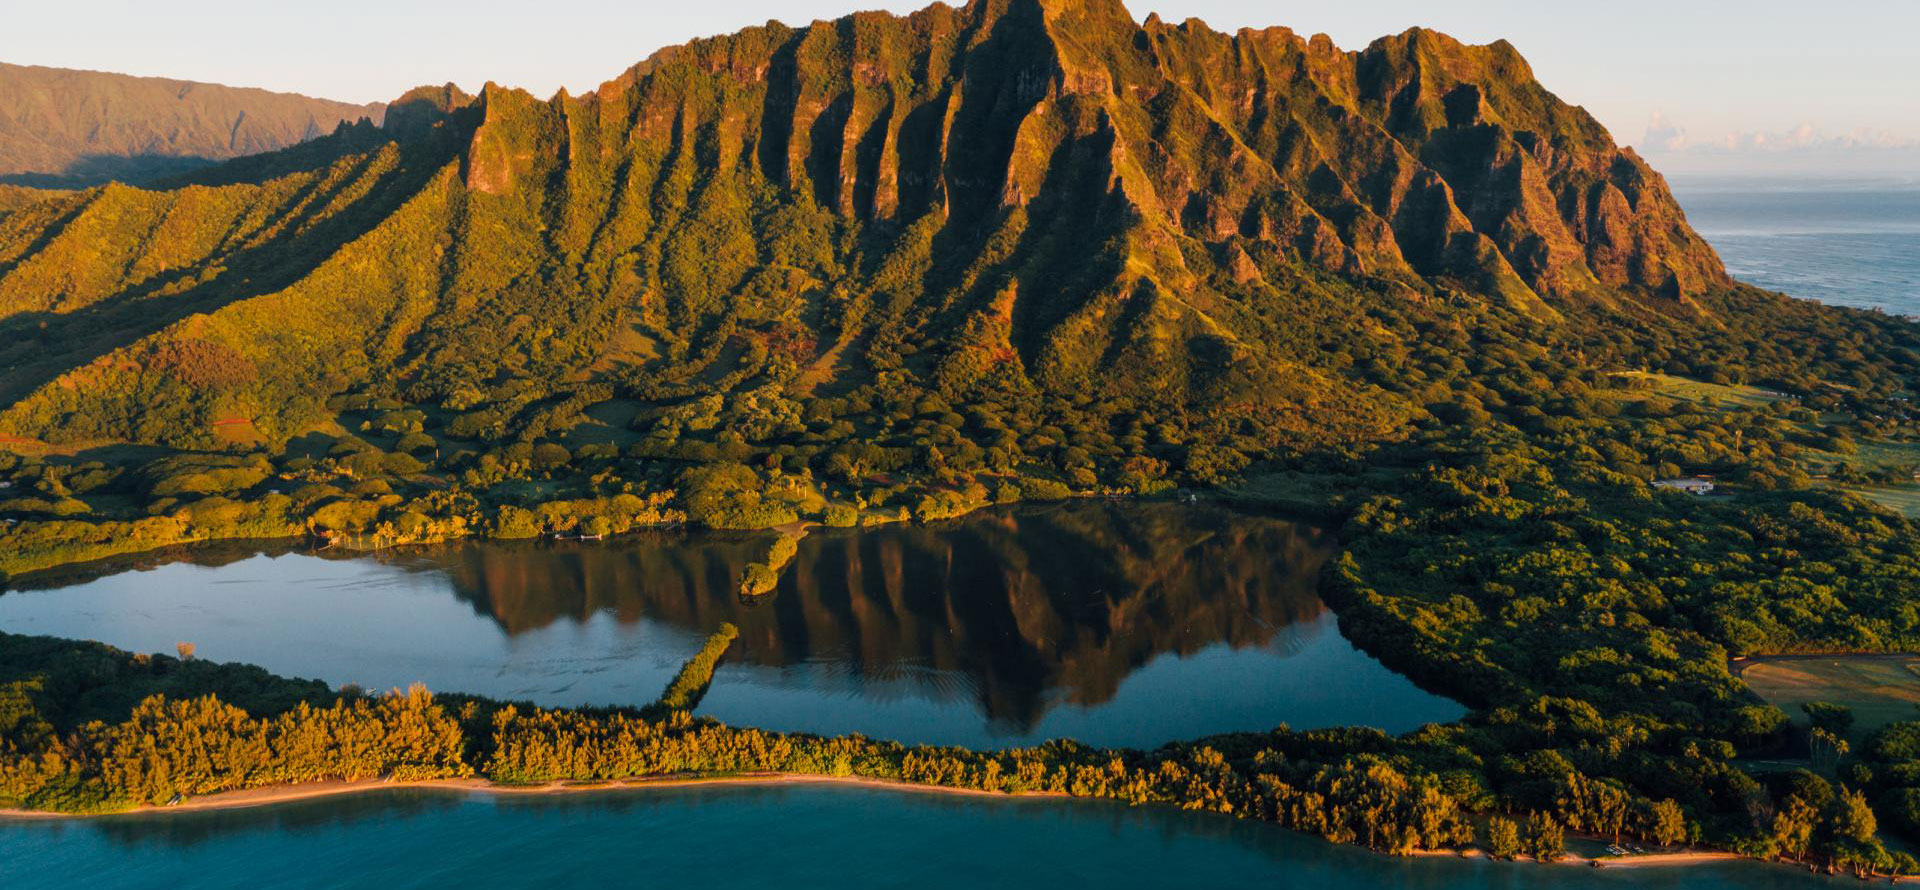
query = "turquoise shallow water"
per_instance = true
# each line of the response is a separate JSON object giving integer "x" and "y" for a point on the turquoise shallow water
{"x": 750, "y": 837}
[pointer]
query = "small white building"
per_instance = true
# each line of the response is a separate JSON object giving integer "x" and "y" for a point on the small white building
{"x": 1695, "y": 486}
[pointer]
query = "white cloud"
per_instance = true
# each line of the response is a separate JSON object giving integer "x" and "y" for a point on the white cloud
{"x": 1803, "y": 149}
{"x": 1663, "y": 135}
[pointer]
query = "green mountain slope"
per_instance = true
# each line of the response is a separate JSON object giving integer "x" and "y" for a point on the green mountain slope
{"x": 63, "y": 128}
{"x": 1204, "y": 247}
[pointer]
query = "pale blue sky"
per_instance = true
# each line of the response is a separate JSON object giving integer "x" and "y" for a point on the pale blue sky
{"x": 1780, "y": 81}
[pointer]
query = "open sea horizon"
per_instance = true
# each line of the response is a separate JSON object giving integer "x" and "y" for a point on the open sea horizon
{"x": 1842, "y": 241}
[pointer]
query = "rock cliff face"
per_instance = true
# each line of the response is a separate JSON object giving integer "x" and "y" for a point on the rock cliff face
{"x": 1418, "y": 156}
{"x": 1033, "y": 193}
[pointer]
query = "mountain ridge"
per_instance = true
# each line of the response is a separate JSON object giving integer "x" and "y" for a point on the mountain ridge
{"x": 1008, "y": 200}
{"x": 65, "y": 127}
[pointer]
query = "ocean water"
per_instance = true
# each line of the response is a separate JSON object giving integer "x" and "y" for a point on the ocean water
{"x": 759, "y": 837}
{"x": 1845, "y": 242}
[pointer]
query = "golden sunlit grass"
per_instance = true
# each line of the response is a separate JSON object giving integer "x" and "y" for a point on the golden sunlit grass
{"x": 1880, "y": 689}
{"x": 1713, "y": 395}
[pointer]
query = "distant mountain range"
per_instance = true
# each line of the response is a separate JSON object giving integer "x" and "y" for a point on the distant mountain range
{"x": 65, "y": 128}
{"x": 1010, "y": 200}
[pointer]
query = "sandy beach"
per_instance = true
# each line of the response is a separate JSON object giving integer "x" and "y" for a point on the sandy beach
{"x": 1641, "y": 860}
{"x": 1646, "y": 860}
{"x": 255, "y": 797}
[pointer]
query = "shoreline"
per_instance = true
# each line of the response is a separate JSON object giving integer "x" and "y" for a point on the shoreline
{"x": 51, "y": 570}
{"x": 48, "y": 571}
{"x": 282, "y": 794}
{"x": 1655, "y": 860}
{"x": 278, "y": 794}
{"x": 1639, "y": 860}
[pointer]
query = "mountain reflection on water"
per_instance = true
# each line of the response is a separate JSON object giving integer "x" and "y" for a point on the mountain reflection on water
{"x": 1115, "y": 623}
{"x": 1018, "y": 607}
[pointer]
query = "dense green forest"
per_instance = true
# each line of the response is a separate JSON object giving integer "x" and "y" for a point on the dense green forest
{"x": 889, "y": 269}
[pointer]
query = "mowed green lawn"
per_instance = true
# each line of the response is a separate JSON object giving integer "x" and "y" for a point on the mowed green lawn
{"x": 1881, "y": 689}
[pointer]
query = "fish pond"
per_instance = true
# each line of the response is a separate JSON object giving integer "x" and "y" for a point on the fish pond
{"x": 1114, "y": 623}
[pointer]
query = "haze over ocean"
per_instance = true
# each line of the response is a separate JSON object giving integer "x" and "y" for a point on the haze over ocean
{"x": 1847, "y": 242}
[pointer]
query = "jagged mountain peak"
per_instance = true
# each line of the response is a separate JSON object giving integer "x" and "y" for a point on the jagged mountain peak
{"x": 1014, "y": 193}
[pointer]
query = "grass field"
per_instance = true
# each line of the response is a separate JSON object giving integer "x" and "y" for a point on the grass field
{"x": 1881, "y": 689}
{"x": 1872, "y": 454}
{"x": 609, "y": 422}
{"x": 1711, "y": 394}
{"x": 1904, "y": 499}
